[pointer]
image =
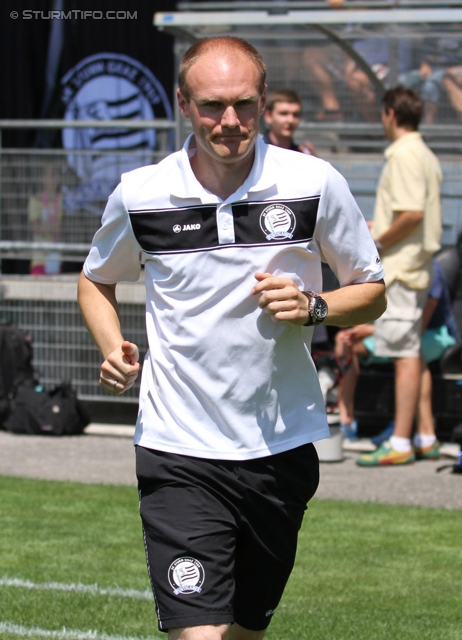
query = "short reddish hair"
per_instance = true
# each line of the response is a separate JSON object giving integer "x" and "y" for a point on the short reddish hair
{"x": 231, "y": 43}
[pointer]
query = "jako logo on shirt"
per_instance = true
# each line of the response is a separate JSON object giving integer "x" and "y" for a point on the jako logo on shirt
{"x": 277, "y": 221}
{"x": 186, "y": 227}
{"x": 186, "y": 576}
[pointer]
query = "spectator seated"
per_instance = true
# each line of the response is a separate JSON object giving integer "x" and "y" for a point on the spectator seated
{"x": 374, "y": 397}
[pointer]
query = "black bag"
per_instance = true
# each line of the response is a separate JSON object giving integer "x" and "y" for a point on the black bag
{"x": 15, "y": 365}
{"x": 54, "y": 413}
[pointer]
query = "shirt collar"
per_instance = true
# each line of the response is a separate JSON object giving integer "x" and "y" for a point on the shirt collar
{"x": 189, "y": 187}
{"x": 403, "y": 140}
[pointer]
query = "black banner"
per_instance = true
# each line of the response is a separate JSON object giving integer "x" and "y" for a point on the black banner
{"x": 80, "y": 60}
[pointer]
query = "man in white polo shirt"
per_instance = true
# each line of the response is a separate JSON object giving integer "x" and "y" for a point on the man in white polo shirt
{"x": 231, "y": 233}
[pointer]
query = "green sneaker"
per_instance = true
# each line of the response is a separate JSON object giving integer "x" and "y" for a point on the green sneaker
{"x": 384, "y": 456}
{"x": 428, "y": 453}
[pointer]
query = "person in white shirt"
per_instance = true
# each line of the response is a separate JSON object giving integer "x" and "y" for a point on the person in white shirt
{"x": 231, "y": 233}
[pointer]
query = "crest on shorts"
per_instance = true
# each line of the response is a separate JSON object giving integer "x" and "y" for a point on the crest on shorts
{"x": 186, "y": 575}
{"x": 277, "y": 221}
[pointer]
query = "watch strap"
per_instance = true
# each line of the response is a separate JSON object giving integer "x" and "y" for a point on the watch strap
{"x": 309, "y": 295}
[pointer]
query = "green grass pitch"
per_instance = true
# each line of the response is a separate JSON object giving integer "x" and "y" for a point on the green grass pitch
{"x": 72, "y": 566}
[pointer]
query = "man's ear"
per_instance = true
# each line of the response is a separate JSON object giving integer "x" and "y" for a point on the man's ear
{"x": 267, "y": 116}
{"x": 263, "y": 100}
{"x": 182, "y": 104}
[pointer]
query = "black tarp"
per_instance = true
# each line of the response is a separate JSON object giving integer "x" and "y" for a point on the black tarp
{"x": 38, "y": 49}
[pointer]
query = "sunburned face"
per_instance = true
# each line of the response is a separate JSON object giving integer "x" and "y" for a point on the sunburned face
{"x": 224, "y": 107}
{"x": 283, "y": 119}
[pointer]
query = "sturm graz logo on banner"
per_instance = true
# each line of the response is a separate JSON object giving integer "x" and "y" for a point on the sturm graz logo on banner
{"x": 110, "y": 86}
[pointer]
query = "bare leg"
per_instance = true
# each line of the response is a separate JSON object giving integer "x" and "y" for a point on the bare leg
{"x": 315, "y": 63}
{"x": 215, "y": 632}
{"x": 453, "y": 84}
{"x": 407, "y": 388}
{"x": 349, "y": 380}
{"x": 236, "y": 632}
{"x": 430, "y": 111}
{"x": 362, "y": 92}
{"x": 425, "y": 412}
{"x": 203, "y": 632}
{"x": 347, "y": 388}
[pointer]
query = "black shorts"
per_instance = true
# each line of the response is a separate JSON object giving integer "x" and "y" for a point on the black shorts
{"x": 221, "y": 535}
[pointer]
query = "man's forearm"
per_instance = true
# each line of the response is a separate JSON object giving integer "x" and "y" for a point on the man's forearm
{"x": 355, "y": 304}
{"x": 403, "y": 225}
{"x": 428, "y": 311}
{"x": 100, "y": 311}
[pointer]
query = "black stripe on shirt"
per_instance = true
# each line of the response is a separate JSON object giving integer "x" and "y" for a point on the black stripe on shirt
{"x": 195, "y": 228}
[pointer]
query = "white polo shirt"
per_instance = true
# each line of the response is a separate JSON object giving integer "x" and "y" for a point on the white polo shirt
{"x": 222, "y": 379}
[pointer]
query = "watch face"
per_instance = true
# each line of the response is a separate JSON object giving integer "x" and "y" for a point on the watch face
{"x": 320, "y": 309}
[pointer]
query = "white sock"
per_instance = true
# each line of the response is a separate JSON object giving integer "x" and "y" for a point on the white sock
{"x": 402, "y": 445}
{"x": 424, "y": 441}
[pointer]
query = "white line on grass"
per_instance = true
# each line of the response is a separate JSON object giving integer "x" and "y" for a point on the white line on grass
{"x": 80, "y": 588}
{"x": 67, "y": 634}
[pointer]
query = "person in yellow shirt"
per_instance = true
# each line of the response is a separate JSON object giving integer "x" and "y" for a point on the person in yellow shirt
{"x": 407, "y": 232}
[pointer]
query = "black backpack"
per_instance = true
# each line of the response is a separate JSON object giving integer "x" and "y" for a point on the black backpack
{"x": 16, "y": 368}
{"x": 50, "y": 413}
{"x": 24, "y": 406}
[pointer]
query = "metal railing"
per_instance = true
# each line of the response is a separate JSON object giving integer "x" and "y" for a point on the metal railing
{"x": 82, "y": 181}
{"x": 46, "y": 307}
{"x": 353, "y": 53}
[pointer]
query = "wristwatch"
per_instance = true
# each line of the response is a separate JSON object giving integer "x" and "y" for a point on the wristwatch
{"x": 317, "y": 308}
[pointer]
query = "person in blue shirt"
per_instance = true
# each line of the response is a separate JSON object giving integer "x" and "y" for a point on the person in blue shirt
{"x": 356, "y": 345}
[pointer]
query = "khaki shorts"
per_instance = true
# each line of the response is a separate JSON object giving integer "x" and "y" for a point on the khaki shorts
{"x": 398, "y": 332}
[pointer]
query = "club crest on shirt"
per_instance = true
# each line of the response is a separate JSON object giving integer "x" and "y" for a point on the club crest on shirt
{"x": 277, "y": 221}
{"x": 186, "y": 575}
